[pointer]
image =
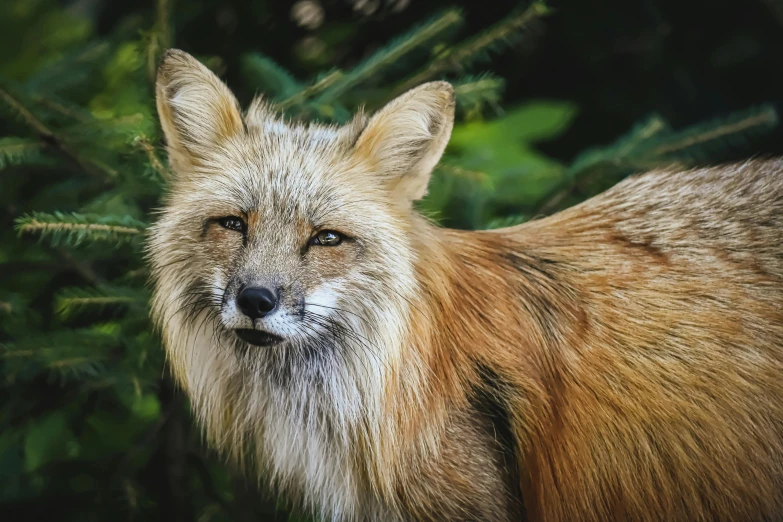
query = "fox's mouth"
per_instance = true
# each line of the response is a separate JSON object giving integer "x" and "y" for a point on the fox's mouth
{"x": 257, "y": 337}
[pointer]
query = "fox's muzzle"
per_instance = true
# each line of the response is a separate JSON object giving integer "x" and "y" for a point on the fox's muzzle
{"x": 257, "y": 301}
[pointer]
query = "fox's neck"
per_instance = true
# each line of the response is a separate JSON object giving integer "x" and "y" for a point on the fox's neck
{"x": 476, "y": 292}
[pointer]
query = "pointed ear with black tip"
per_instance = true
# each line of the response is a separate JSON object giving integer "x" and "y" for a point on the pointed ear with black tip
{"x": 197, "y": 111}
{"x": 406, "y": 138}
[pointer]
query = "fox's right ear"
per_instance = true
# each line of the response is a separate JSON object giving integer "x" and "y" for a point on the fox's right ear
{"x": 197, "y": 111}
{"x": 407, "y": 137}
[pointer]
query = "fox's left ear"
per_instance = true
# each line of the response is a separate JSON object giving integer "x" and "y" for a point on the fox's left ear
{"x": 407, "y": 137}
{"x": 196, "y": 110}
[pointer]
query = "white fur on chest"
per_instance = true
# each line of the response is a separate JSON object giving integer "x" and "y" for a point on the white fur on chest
{"x": 306, "y": 457}
{"x": 304, "y": 433}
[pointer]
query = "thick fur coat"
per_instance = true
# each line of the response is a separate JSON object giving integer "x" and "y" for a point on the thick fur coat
{"x": 620, "y": 360}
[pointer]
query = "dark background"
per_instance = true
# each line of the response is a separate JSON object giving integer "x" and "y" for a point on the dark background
{"x": 617, "y": 60}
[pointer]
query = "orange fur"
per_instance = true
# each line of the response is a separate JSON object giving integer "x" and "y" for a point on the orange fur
{"x": 638, "y": 338}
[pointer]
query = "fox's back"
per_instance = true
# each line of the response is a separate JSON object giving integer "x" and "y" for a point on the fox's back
{"x": 670, "y": 396}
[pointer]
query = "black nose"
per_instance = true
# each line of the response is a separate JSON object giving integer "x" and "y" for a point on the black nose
{"x": 256, "y": 302}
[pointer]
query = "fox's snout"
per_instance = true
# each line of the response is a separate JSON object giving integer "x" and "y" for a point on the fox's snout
{"x": 257, "y": 302}
{"x": 265, "y": 306}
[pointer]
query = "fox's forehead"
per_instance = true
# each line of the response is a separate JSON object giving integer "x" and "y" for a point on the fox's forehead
{"x": 277, "y": 168}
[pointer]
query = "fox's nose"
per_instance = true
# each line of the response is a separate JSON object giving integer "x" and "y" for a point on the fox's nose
{"x": 256, "y": 302}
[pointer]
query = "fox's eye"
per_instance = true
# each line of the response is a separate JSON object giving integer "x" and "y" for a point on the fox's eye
{"x": 327, "y": 238}
{"x": 232, "y": 223}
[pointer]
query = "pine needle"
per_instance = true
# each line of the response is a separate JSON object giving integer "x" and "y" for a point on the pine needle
{"x": 71, "y": 354}
{"x": 268, "y": 77}
{"x": 321, "y": 84}
{"x": 619, "y": 152}
{"x": 476, "y": 176}
{"x": 142, "y": 143}
{"x": 63, "y": 108}
{"x": 392, "y": 53}
{"x": 15, "y": 105}
{"x": 159, "y": 38}
{"x": 20, "y": 151}
{"x": 75, "y": 229}
{"x": 73, "y": 301}
{"x": 69, "y": 71}
{"x": 476, "y": 91}
{"x": 463, "y": 55}
{"x": 505, "y": 222}
{"x": 722, "y": 131}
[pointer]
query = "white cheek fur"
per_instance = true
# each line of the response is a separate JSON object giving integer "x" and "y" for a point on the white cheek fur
{"x": 323, "y": 300}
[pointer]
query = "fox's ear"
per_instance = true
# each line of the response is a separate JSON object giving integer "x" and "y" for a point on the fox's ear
{"x": 196, "y": 110}
{"x": 406, "y": 138}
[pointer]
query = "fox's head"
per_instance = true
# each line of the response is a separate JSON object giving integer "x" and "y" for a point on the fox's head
{"x": 287, "y": 250}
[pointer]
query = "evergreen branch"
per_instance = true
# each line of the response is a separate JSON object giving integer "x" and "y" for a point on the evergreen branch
{"x": 159, "y": 38}
{"x": 763, "y": 118}
{"x": 622, "y": 149}
{"x": 49, "y": 137}
{"x": 27, "y": 117}
{"x": 163, "y": 9}
{"x": 20, "y": 151}
{"x": 143, "y": 143}
{"x": 505, "y": 222}
{"x": 74, "y": 229}
{"x": 463, "y": 55}
{"x": 474, "y": 91}
{"x": 646, "y": 130}
{"x": 85, "y": 338}
{"x": 80, "y": 266}
{"x": 652, "y": 144}
{"x": 621, "y": 156}
{"x": 72, "y": 301}
{"x": 320, "y": 85}
{"x": 67, "y": 72}
{"x": 74, "y": 113}
{"x": 471, "y": 175}
{"x": 73, "y": 355}
{"x": 269, "y": 77}
{"x": 392, "y": 53}
{"x": 122, "y": 129}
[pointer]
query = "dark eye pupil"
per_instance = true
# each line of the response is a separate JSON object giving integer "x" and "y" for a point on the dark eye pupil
{"x": 329, "y": 238}
{"x": 232, "y": 223}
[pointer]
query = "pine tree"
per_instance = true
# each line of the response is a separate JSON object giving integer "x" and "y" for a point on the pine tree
{"x": 89, "y": 417}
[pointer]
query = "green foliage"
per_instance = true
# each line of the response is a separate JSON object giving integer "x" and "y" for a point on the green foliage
{"x": 89, "y": 419}
{"x": 331, "y": 95}
{"x": 517, "y": 176}
{"x": 479, "y": 47}
{"x": 74, "y": 229}
{"x": 76, "y": 354}
{"x": 474, "y": 92}
{"x": 268, "y": 77}
{"x": 390, "y": 55}
{"x": 74, "y": 301}
{"x": 653, "y": 142}
{"x": 20, "y": 151}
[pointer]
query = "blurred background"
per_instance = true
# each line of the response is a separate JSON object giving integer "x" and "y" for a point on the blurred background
{"x": 556, "y": 102}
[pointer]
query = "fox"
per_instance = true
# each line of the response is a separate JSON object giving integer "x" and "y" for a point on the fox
{"x": 619, "y": 360}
